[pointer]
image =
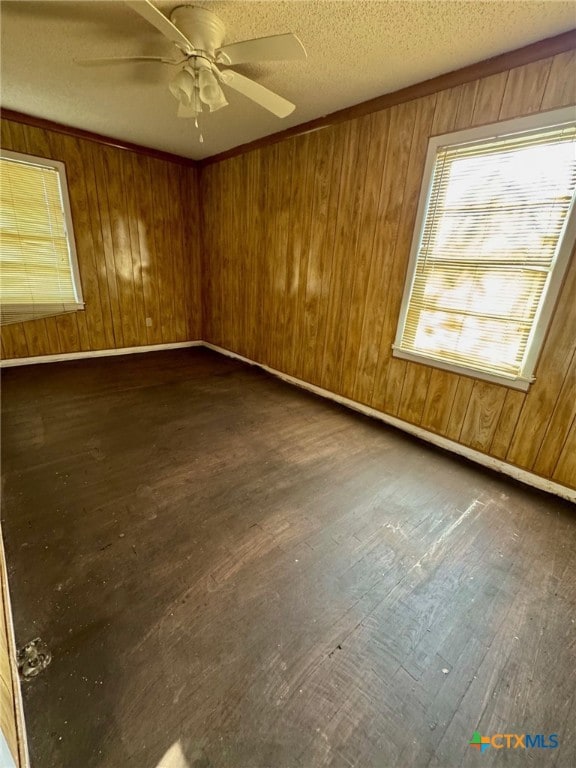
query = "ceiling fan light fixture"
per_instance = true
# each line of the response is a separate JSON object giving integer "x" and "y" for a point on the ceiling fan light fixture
{"x": 219, "y": 103}
{"x": 182, "y": 87}
{"x": 210, "y": 91}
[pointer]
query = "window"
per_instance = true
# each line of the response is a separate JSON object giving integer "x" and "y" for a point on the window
{"x": 38, "y": 267}
{"x": 495, "y": 227}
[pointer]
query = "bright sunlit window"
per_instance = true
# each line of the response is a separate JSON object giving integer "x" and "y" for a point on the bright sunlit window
{"x": 495, "y": 228}
{"x": 38, "y": 267}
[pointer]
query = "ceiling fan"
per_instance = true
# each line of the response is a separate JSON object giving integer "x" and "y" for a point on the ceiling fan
{"x": 203, "y": 65}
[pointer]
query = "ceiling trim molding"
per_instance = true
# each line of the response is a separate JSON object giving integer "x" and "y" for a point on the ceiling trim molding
{"x": 79, "y": 133}
{"x": 542, "y": 49}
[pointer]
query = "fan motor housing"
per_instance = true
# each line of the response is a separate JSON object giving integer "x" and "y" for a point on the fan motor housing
{"x": 203, "y": 28}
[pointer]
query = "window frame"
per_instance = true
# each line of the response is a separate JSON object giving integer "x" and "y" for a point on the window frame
{"x": 60, "y": 168}
{"x": 539, "y": 122}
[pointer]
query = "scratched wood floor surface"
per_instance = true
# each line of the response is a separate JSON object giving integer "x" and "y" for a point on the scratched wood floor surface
{"x": 232, "y": 573}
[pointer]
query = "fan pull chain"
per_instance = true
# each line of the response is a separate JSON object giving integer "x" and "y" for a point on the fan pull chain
{"x": 196, "y": 126}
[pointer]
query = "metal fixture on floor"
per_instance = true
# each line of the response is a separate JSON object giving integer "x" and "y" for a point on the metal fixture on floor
{"x": 33, "y": 658}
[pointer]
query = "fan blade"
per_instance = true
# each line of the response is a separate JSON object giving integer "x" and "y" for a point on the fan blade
{"x": 162, "y": 24}
{"x": 274, "y": 48}
{"x": 258, "y": 93}
{"x": 124, "y": 60}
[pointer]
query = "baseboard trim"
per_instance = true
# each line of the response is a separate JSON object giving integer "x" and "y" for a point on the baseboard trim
{"x": 523, "y": 475}
{"x": 96, "y": 353}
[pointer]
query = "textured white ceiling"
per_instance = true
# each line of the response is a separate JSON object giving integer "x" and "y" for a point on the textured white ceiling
{"x": 356, "y": 50}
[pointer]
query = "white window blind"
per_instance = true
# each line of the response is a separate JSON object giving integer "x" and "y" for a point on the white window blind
{"x": 38, "y": 270}
{"x": 489, "y": 240}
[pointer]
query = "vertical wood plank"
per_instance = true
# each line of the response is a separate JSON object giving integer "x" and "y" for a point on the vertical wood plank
{"x": 560, "y": 89}
{"x": 296, "y": 252}
{"x": 565, "y": 471}
{"x": 466, "y": 104}
{"x": 301, "y": 325}
{"x": 132, "y": 188}
{"x": 147, "y": 247}
{"x": 344, "y": 167}
{"x": 525, "y": 89}
{"x": 335, "y": 136}
{"x": 376, "y": 144}
{"x": 193, "y": 253}
{"x": 481, "y": 419}
{"x": 396, "y": 368}
{"x": 558, "y": 428}
{"x": 459, "y": 407}
{"x": 91, "y": 318}
{"x": 101, "y": 189}
{"x": 507, "y": 421}
{"x": 392, "y": 126}
{"x": 439, "y": 398}
{"x": 391, "y": 276}
{"x": 489, "y": 97}
{"x": 102, "y": 291}
{"x": 14, "y": 341}
{"x": 274, "y": 256}
{"x": 356, "y": 267}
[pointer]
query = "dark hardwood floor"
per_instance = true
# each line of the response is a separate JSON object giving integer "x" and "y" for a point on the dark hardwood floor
{"x": 233, "y": 573}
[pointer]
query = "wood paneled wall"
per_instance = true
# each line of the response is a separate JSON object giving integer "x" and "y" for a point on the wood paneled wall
{"x": 307, "y": 244}
{"x": 136, "y": 223}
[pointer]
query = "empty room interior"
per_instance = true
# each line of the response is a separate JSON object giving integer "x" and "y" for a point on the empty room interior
{"x": 288, "y": 418}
